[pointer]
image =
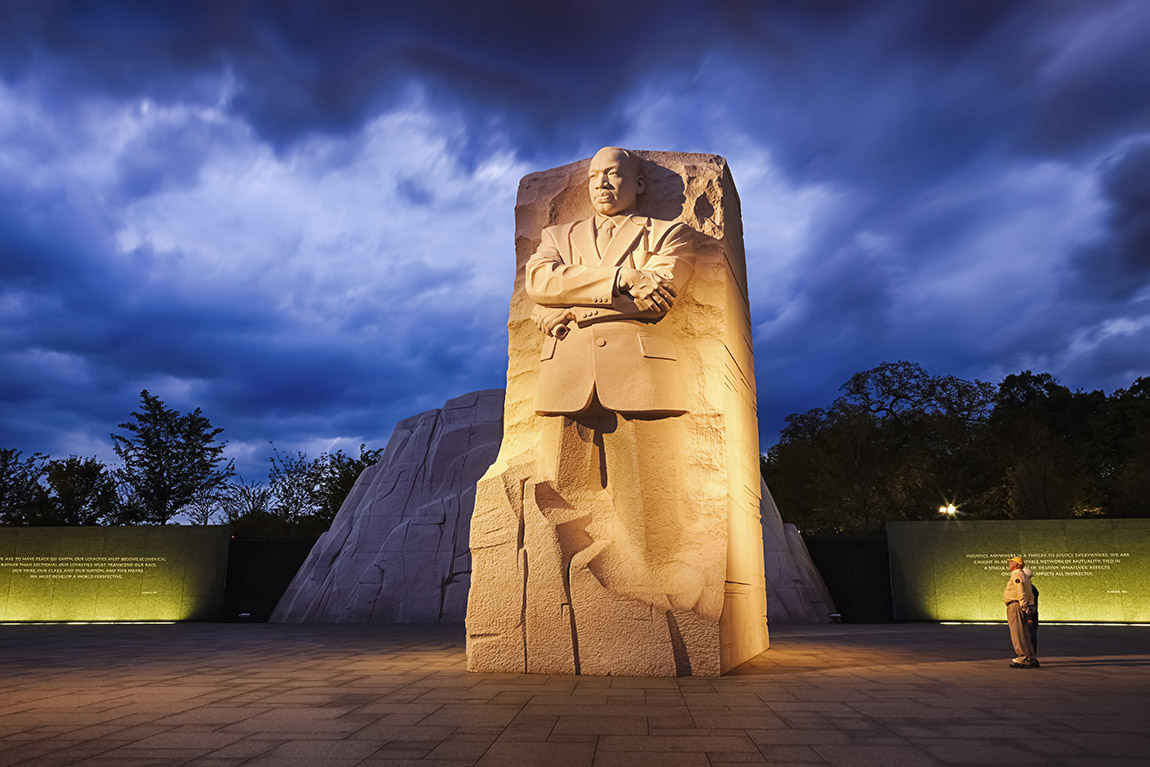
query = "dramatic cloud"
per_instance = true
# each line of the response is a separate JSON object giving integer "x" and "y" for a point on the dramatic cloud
{"x": 299, "y": 216}
{"x": 1118, "y": 265}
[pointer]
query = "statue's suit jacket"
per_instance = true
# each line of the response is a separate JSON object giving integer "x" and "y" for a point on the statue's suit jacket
{"x": 624, "y": 354}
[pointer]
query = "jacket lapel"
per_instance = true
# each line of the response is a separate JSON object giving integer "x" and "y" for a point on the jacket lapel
{"x": 623, "y": 244}
{"x": 583, "y": 243}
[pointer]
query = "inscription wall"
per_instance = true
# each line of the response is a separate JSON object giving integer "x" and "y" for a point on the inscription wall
{"x": 112, "y": 573}
{"x": 1085, "y": 570}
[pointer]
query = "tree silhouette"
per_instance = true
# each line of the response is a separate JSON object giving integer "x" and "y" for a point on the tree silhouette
{"x": 22, "y": 497}
{"x": 81, "y": 491}
{"x": 169, "y": 460}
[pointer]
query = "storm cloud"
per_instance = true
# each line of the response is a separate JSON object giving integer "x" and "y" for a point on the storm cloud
{"x": 299, "y": 216}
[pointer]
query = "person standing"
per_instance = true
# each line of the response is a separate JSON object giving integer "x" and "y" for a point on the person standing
{"x": 1032, "y": 616}
{"x": 1019, "y": 598}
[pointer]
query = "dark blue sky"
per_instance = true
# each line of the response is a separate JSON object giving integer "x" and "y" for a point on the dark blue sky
{"x": 298, "y": 216}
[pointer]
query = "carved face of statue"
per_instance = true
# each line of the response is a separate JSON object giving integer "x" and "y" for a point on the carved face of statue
{"x": 614, "y": 181}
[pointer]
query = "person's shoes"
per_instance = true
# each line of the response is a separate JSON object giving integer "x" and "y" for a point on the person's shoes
{"x": 1024, "y": 664}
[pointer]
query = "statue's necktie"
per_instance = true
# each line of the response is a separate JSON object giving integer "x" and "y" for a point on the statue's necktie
{"x": 603, "y": 236}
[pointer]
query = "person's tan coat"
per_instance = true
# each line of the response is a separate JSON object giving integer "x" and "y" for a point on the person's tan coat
{"x": 1018, "y": 589}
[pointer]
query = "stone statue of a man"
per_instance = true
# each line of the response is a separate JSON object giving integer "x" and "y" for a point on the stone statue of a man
{"x": 609, "y": 369}
{"x": 600, "y": 286}
{"x": 616, "y": 531}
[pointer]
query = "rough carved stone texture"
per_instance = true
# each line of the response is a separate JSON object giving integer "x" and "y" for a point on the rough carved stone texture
{"x": 547, "y": 596}
{"x": 397, "y": 551}
{"x": 342, "y": 581}
{"x": 795, "y": 590}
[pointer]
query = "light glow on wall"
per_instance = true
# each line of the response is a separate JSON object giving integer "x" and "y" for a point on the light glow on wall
{"x": 1087, "y": 571}
{"x": 87, "y": 575}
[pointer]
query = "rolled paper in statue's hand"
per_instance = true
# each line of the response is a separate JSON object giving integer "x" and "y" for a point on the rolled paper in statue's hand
{"x": 560, "y": 331}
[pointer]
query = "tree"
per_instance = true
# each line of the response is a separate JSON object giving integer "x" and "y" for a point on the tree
{"x": 898, "y": 443}
{"x": 205, "y": 508}
{"x": 81, "y": 491}
{"x": 294, "y": 481}
{"x": 1053, "y": 447}
{"x": 169, "y": 461}
{"x": 22, "y": 497}
{"x": 1127, "y": 485}
{"x": 246, "y": 499}
{"x": 315, "y": 487}
{"x": 892, "y": 446}
{"x": 308, "y": 492}
{"x": 338, "y": 476}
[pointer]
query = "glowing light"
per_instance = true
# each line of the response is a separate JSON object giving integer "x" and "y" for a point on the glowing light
{"x": 1044, "y": 623}
{"x": 87, "y": 623}
{"x": 949, "y": 510}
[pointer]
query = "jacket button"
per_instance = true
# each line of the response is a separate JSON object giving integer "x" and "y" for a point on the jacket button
{"x": 600, "y": 341}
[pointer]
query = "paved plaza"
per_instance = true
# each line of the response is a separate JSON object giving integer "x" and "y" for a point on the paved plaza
{"x": 350, "y": 696}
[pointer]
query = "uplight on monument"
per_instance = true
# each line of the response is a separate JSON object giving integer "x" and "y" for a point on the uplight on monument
{"x": 618, "y": 530}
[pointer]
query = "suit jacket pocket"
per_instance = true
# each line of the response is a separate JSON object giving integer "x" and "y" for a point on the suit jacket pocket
{"x": 548, "y": 350}
{"x": 657, "y": 347}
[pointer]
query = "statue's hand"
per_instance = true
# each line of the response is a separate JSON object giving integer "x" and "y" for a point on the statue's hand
{"x": 650, "y": 290}
{"x": 549, "y": 319}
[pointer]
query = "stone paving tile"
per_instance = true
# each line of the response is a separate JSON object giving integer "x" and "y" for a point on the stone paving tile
{"x": 406, "y": 749}
{"x": 741, "y": 718}
{"x": 562, "y": 738}
{"x": 391, "y": 732}
{"x": 245, "y": 749}
{"x": 122, "y": 761}
{"x": 48, "y": 754}
{"x": 319, "y": 751}
{"x": 130, "y": 754}
{"x": 735, "y": 757}
{"x": 950, "y": 751}
{"x": 461, "y": 736}
{"x": 511, "y": 698}
{"x": 459, "y": 750}
{"x": 183, "y": 738}
{"x": 218, "y": 695}
{"x": 666, "y": 722}
{"x": 386, "y": 760}
{"x": 399, "y": 708}
{"x": 805, "y": 720}
{"x": 796, "y": 737}
{"x": 493, "y": 732}
{"x": 590, "y": 724}
{"x": 875, "y": 756}
{"x": 24, "y": 750}
{"x": 631, "y": 759}
{"x": 580, "y": 707}
{"x": 293, "y": 727}
{"x": 790, "y": 754}
{"x": 306, "y": 761}
{"x": 551, "y": 754}
{"x": 657, "y": 743}
{"x": 391, "y": 719}
{"x": 459, "y": 715}
{"x": 1124, "y": 744}
{"x": 526, "y": 733}
{"x": 711, "y": 699}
